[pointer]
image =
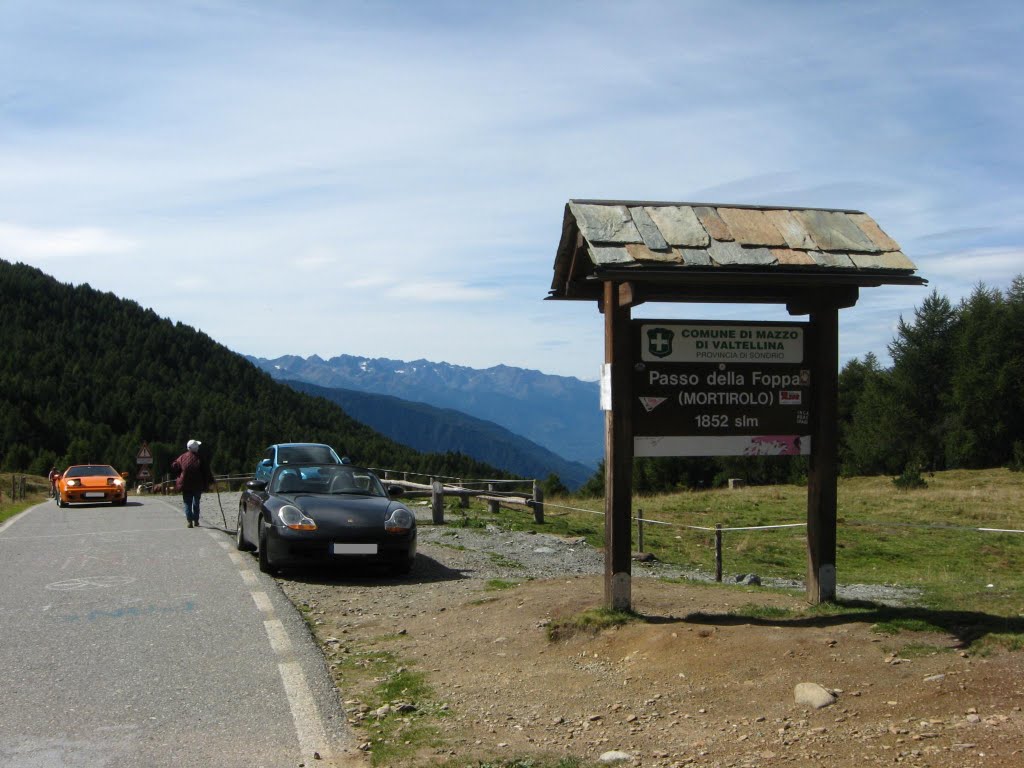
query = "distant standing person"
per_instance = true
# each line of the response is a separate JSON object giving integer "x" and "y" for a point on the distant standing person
{"x": 53, "y": 477}
{"x": 194, "y": 476}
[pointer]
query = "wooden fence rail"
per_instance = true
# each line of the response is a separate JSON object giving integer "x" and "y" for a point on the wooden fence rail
{"x": 437, "y": 490}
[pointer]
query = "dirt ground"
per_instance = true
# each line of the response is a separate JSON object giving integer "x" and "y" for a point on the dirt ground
{"x": 691, "y": 683}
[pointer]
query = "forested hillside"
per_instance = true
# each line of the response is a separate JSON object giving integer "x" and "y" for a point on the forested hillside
{"x": 954, "y": 395}
{"x": 86, "y": 376}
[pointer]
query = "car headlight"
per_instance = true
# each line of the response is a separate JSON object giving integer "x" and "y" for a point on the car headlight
{"x": 115, "y": 481}
{"x": 295, "y": 518}
{"x": 401, "y": 521}
{"x": 73, "y": 483}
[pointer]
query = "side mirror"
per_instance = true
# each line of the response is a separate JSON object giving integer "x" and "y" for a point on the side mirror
{"x": 267, "y": 463}
{"x": 394, "y": 491}
{"x": 256, "y": 485}
{"x": 124, "y": 475}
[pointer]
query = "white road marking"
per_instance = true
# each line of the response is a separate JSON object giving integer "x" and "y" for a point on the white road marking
{"x": 279, "y": 640}
{"x": 262, "y": 601}
{"x": 237, "y": 558}
{"x": 309, "y": 727}
{"x": 312, "y": 737}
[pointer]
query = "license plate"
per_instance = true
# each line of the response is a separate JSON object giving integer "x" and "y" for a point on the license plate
{"x": 354, "y": 549}
{"x": 94, "y": 494}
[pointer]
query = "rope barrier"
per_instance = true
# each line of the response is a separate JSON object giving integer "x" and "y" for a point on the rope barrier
{"x": 741, "y": 527}
{"x": 931, "y": 526}
{"x": 712, "y": 529}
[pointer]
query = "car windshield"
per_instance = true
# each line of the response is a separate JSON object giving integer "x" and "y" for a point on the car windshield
{"x": 306, "y": 454}
{"x": 91, "y": 470}
{"x": 334, "y": 479}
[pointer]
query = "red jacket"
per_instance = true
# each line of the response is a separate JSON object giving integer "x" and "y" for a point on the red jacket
{"x": 193, "y": 474}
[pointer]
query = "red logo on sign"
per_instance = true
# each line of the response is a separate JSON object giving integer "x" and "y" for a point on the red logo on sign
{"x": 791, "y": 397}
{"x": 650, "y": 403}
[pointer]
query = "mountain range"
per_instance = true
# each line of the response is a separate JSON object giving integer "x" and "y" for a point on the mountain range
{"x": 430, "y": 429}
{"x": 559, "y": 413}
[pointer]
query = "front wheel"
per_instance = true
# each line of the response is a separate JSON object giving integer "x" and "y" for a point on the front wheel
{"x": 240, "y": 542}
{"x": 266, "y": 566}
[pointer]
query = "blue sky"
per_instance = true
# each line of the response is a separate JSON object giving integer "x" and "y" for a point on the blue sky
{"x": 388, "y": 178}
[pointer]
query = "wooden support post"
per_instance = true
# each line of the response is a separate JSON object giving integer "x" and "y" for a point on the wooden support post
{"x": 640, "y": 530}
{"x": 618, "y": 448}
{"x": 538, "y": 503}
{"x": 463, "y": 497}
{"x": 823, "y": 355}
{"x": 437, "y": 501}
{"x": 492, "y": 506}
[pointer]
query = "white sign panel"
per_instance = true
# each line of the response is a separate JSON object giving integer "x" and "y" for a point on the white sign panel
{"x": 606, "y": 387}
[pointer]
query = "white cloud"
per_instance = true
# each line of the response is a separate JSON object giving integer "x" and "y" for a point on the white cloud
{"x": 438, "y": 291}
{"x": 30, "y": 243}
{"x": 406, "y": 164}
{"x": 994, "y": 266}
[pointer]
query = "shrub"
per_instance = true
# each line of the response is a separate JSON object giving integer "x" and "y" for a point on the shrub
{"x": 911, "y": 478}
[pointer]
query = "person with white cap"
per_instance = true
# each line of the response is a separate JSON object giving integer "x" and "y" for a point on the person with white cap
{"x": 193, "y": 477}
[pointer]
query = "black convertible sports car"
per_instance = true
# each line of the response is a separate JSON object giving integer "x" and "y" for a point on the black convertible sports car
{"x": 310, "y": 514}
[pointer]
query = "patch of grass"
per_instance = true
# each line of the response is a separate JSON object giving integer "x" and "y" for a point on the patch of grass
{"x": 920, "y": 650}
{"x": 403, "y": 684}
{"x": 382, "y": 683}
{"x": 407, "y": 728}
{"x": 840, "y": 609}
{"x": 496, "y": 585}
{"x": 35, "y": 492}
{"x": 1007, "y": 641}
{"x": 764, "y": 612}
{"x": 591, "y": 622}
{"x": 504, "y": 561}
{"x": 564, "y": 762}
{"x": 467, "y": 521}
{"x": 899, "y": 624}
{"x": 446, "y": 545}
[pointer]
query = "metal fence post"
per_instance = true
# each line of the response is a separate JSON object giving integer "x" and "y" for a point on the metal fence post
{"x": 718, "y": 551}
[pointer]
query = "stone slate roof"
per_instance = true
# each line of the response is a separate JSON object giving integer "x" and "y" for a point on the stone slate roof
{"x": 605, "y": 239}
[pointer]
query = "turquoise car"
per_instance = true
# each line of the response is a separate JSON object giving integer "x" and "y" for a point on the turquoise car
{"x": 295, "y": 453}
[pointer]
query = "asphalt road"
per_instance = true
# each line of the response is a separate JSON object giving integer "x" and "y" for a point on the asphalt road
{"x": 128, "y": 639}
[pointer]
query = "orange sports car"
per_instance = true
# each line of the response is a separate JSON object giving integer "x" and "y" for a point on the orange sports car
{"x": 90, "y": 483}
